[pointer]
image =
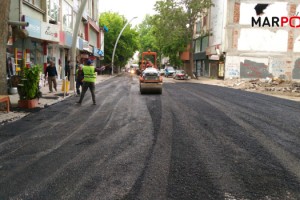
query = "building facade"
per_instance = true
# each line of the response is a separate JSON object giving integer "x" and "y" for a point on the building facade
{"x": 257, "y": 46}
{"x": 49, "y": 33}
{"x": 248, "y": 39}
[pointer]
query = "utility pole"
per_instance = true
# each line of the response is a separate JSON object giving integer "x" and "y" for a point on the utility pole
{"x": 113, "y": 55}
{"x": 74, "y": 41}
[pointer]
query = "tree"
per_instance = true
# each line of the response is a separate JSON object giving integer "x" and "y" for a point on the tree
{"x": 194, "y": 8}
{"x": 147, "y": 38}
{"x": 128, "y": 43}
{"x": 5, "y": 7}
{"x": 170, "y": 29}
{"x": 173, "y": 27}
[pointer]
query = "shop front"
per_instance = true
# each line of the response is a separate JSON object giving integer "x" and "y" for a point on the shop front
{"x": 216, "y": 62}
{"x": 41, "y": 36}
{"x": 201, "y": 64}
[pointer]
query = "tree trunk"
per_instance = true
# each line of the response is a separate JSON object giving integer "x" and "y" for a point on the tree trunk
{"x": 4, "y": 14}
{"x": 190, "y": 69}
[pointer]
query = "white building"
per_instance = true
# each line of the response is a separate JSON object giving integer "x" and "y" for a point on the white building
{"x": 254, "y": 45}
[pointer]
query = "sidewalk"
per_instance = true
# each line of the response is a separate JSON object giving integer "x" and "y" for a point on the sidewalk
{"x": 46, "y": 100}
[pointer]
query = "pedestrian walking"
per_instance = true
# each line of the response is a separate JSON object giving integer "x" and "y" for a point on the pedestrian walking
{"x": 79, "y": 79}
{"x": 51, "y": 73}
{"x": 67, "y": 69}
{"x": 88, "y": 81}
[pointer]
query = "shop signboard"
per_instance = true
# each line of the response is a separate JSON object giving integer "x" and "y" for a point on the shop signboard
{"x": 80, "y": 43}
{"x": 33, "y": 28}
{"x": 97, "y": 52}
{"x": 91, "y": 49}
{"x": 62, "y": 38}
{"x": 86, "y": 45}
{"x": 65, "y": 38}
{"x": 83, "y": 45}
{"x": 102, "y": 42}
{"x": 68, "y": 39}
{"x": 49, "y": 32}
{"x": 77, "y": 43}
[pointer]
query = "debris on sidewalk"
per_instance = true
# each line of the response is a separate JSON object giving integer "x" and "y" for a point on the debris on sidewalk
{"x": 267, "y": 85}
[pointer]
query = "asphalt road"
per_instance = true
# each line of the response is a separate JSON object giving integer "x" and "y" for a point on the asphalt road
{"x": 194, "y": 141}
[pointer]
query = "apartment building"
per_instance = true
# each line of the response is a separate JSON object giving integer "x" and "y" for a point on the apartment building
{"x": 49, "y": 33}
{"x": 263, "y": 39}
{"x": 249, "y": 39}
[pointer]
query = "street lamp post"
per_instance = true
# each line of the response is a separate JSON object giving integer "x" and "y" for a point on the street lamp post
{"x": 113, "y": 55}
{"x": 74, "y": 40}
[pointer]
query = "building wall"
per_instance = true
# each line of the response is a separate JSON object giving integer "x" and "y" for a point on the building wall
{"x": 217, "y": 40}
{"x": 14, "y": 14}
{"x": 266, "y": 51}
{"x": 26, "y": 10}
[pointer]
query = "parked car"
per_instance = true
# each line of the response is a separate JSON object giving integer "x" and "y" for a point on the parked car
{"x": 169, "y": 71}
{"x": 180, "y": 75}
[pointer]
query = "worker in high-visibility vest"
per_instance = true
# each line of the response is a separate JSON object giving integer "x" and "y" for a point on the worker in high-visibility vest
{"x": 88, "y": 81}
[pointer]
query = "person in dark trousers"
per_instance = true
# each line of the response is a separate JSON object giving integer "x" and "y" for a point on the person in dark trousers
{"x": 88, "y": 81}
{"x": 67, "y": 70}
{"x": 51, "y": 73}
{"x": 79, "y": 79}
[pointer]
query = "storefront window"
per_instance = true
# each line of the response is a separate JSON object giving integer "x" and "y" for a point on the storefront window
{"x": 53, "y": 9}
{"x": 93, "y": 37}
{"x": 36, "y": 53}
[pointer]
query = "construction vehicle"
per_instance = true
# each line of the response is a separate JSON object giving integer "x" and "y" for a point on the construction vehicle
{"x": 150, "y": 78}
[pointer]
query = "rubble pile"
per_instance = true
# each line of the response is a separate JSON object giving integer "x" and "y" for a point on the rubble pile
{"x": 268, "y": 85}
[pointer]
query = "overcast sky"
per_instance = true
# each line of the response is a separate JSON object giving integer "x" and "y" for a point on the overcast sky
{"x": 129, "y": 8}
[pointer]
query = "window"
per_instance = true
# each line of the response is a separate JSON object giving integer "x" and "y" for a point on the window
{"x": 198, "y": 26}
{"x": 204, "y": 43}
{"x": 36, "y": 3}
{"x": 76, "y": 5}
{"x": 53, "y": 9}
{"x": 67, "y": 17}
{"x": 204, "y": 20}
{"x": 91, "y": 7}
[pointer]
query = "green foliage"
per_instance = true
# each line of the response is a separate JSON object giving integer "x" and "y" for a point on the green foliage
{"x": 147, "y": 36}
{"x": 29, "y": 89}
{"x": 167, "y": 31}
{"x": 128, "y": 43}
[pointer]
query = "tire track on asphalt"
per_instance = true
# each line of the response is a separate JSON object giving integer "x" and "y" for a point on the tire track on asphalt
{"x": 55, "y": 147}
{"x": 289, "y": 161}
{"x": 155, "y": 182}
{"x": 213, "y": 176}
{"x": 52, "y": 124}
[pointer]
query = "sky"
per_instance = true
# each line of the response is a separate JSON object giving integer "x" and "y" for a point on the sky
{"x": 129, "y": 8}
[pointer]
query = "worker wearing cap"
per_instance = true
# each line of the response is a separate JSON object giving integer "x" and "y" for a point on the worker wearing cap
{"x": 88, "y": 81}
